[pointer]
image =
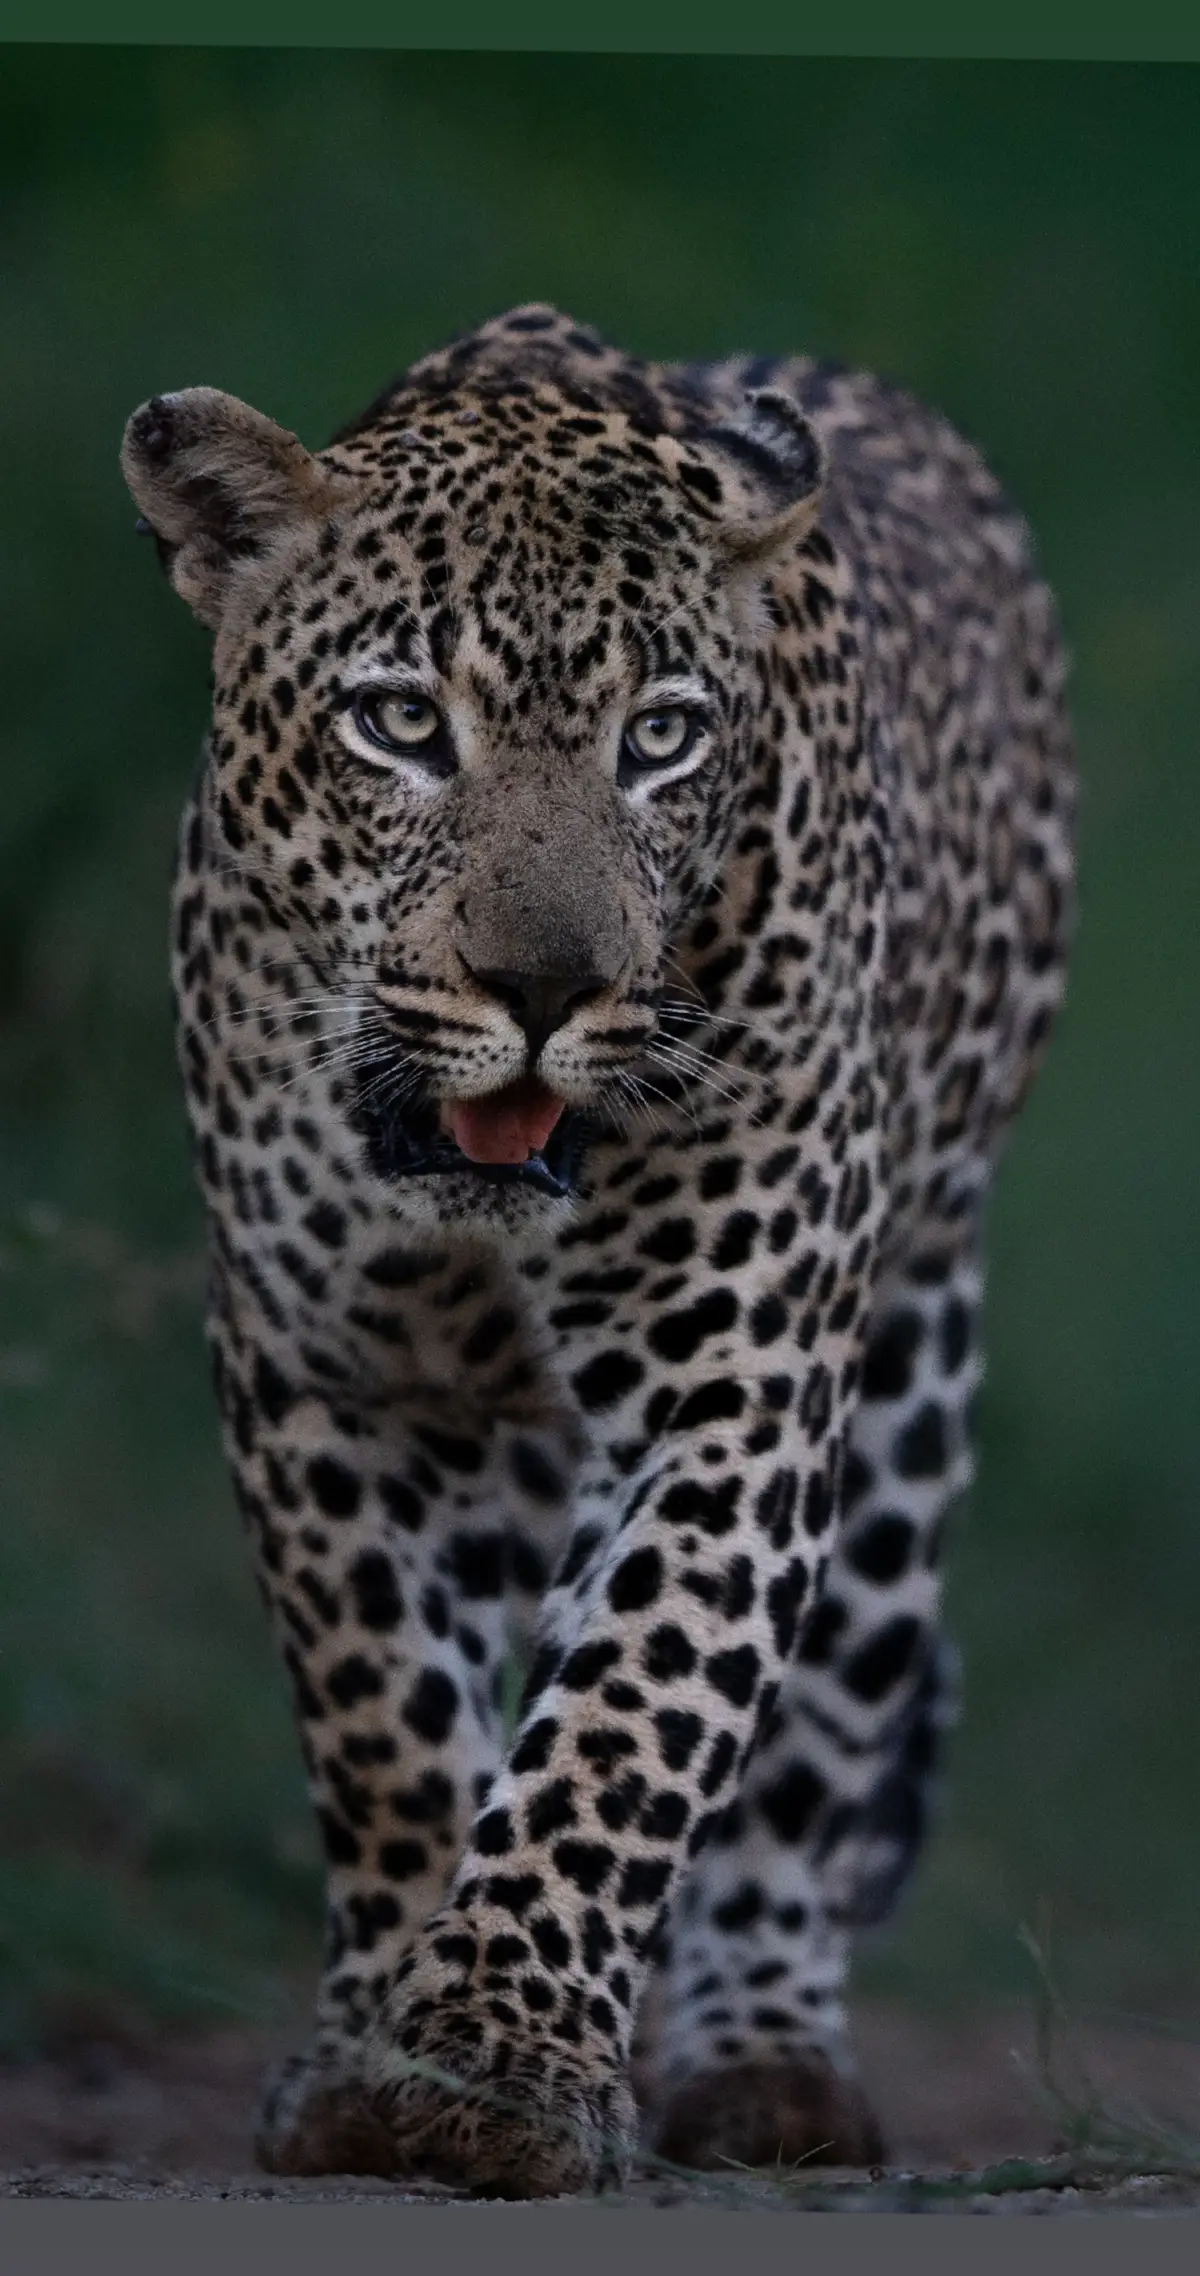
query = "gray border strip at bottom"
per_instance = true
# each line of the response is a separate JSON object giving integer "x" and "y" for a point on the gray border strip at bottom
{"x": 402, "y": 2239}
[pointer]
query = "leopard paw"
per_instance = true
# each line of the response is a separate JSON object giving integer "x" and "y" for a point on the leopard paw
{"x": 505, "y": 2121}
{"x": 768, "y": 2113}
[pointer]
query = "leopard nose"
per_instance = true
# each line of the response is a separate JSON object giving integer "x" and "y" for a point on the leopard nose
{"x": 539, "y": 1002}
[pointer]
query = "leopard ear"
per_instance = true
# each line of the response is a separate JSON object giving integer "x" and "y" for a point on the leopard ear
{"x": 214, "y": 482}
{"x": 772, "y": 471}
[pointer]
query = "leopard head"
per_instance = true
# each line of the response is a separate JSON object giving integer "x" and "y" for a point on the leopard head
{"x": 484, "y": 700}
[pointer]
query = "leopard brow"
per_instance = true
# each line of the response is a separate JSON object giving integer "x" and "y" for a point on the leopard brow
{"x": 668, "y": 691}
{"x": 404, "y": 682}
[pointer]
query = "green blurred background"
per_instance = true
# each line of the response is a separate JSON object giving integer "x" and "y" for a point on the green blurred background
{"x": 1019, "y": 244}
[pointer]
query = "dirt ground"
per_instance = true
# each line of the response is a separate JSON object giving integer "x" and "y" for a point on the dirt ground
{"x": 174, "y": 2119}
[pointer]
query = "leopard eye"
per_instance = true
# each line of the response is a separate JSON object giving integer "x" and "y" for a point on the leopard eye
{"x": 656, "y": 738}
{"x": 404, "y": 724}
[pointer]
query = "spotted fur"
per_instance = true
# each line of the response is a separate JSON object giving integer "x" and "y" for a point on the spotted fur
{"x": 694, "y": 1423}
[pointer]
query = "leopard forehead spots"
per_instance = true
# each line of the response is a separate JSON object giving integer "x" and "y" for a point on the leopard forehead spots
{"x": 622, "y": 910}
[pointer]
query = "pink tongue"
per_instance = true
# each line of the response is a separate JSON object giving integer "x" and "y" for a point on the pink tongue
{"x": 508, "y": 1126}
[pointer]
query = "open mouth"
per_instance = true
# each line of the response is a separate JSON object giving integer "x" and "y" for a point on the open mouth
{"x": 522, "y": 1135}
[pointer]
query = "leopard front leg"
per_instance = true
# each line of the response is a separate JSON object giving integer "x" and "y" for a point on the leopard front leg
{"x": 383, "y": 1552}
{"x": 505, "y": 2062}
{"x": 745, "y": 2051}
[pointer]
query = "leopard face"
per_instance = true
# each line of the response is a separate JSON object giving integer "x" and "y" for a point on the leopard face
{"x": 483, "y": 705}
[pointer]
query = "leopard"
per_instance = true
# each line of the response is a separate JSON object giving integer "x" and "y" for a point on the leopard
{"x": 624, "y": 902}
